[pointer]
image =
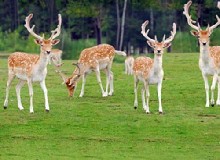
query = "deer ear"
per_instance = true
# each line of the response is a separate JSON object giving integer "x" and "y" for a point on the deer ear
{"x": 194, "y": 33}
{"x": 166, "y": 45}
{"x": 151, "y": 44}
{"x": 55, "y": 41}
{"x": 38, "y": 41}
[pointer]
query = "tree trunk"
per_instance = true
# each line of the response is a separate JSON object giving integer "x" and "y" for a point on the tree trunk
{"x": 152, "y": 20}
{"x": 118, "y": 24}
{"x": 122, "y": 25}
{"x": 98, "y": 31}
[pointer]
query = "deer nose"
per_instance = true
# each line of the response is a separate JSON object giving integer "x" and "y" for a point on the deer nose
{"x": 159, "y": 51}
{"x": 204, "y": 44}
{"x": 48, "y": 52}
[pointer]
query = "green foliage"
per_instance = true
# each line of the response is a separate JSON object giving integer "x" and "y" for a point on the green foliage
{"x": 72, "y": 48}
{"x": 12, "y": 41}
{"x": 185, "y": 42}
{"x": 95, "y": 127}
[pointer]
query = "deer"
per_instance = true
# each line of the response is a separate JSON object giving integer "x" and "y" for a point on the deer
{"x": 209, "y": 59}
{"x": 29, "y": 68}
{"x": 150, "y": 71}
{"x": 56, "y": 57}
{"x": 95, "y": 58}
{"x": 129, "y": 62}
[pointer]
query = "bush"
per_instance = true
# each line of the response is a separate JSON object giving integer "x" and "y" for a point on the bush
{"x": 72, "y": 48}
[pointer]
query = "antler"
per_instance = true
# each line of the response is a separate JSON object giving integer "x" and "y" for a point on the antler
{"x": 56, "y": 32}
{"x": 215, "y": 25}
{"x": 30, "y": 30}
{"x": 145, "y": 34}
{"x": 76, "y": 64}
{"x": 189, "y": 19}
{"x": 62, "y": 75}
{"x": 173, "y": 33}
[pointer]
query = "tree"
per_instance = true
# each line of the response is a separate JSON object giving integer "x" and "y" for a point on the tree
{"x": 93, "y": 9}
{"x": 123, "y": 24}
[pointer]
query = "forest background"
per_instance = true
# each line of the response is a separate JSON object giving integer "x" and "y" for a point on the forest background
{"x": 90, "y": 22}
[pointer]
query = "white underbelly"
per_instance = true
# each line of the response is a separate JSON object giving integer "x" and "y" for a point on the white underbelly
{"x": 36, "y": 77}
{"x": 103, "y": 63}
{"x": 154, "y": 80}
{"x": 102, "y": 66}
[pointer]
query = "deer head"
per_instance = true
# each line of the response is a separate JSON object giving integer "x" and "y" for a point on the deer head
{"x": 45, "y": 44}
{"x": 202, "y": 35}
{"x": 153, "y": 43}
{"x": 71, "y": 82}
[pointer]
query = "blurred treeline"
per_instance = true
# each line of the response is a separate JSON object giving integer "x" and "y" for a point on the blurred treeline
{"x": 90, "y": 22}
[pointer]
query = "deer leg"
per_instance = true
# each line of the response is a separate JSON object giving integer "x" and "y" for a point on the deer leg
{"x": 218, "y": 98}
{"x": 10, "y": 78}
{"x": 136, "y": 81}
{"x": 215, "y": 77}
{"x": 126, "y": 68}
{"x": 83, "y": 85}
{"x": 18, "y": 92}
{"x": 111, "y": 79}
{"x": 107, "y": 79}
{"x": 206, "y": 89}
{"x": 147, "y": 109}
{"x": 44, "y": 88}
{"x": 159, "y": 87}
{"x": 104, "y": 94}
{"x": 30, "y": 87}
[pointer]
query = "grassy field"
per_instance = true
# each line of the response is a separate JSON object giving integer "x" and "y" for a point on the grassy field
{"x": 93, "y": 127}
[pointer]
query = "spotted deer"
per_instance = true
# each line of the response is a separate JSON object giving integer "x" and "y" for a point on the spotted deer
{"x": 31, "y": 68}
{"x": 150, "y": 71}
{"x": 209, "y": 60}
{"x": 129, "y": 62}
{"x": 56, "y": 57}
{"x": 96, "y": 58}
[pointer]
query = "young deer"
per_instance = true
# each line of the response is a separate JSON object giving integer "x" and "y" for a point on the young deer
{"x": 93, "y": 59}
{"x": 209, "y": 61}
{"x": 129, "y": 62}
{"x": 150, "y": 71}
{"x": 31, "y": 68}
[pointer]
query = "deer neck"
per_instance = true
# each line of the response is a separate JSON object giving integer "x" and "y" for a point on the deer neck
{"x": 43, "y": 61}
{"x": 204, "y": 53}
{"x": 75, "y": 76}
{"x": 157, "y": 62}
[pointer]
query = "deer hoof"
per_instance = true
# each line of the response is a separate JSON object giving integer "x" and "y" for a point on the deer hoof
{"x": 160, "y": 112}
{"x": 47, "y": 110}
{"x": 212, "y": 104}
{"x": 135, "y": 107}
{"x": 5, "y": 107}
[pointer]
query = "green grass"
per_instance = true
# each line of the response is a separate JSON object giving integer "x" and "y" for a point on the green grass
{"x": 93, "y": 127}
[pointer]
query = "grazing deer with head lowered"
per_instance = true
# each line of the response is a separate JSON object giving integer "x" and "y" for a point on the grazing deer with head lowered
{"x": 150, "y": 71}
{"x": 93, "y": 59}
{"x": 209, "y": 60}
{"x": 31, "y": 68}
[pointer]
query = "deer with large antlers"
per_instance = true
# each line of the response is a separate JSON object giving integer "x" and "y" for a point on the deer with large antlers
{"x": 95, "y": 59}
{"x": 30, "y": 68}
{"x": 150, "y": 71}
{"x": 209, "y": 61}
